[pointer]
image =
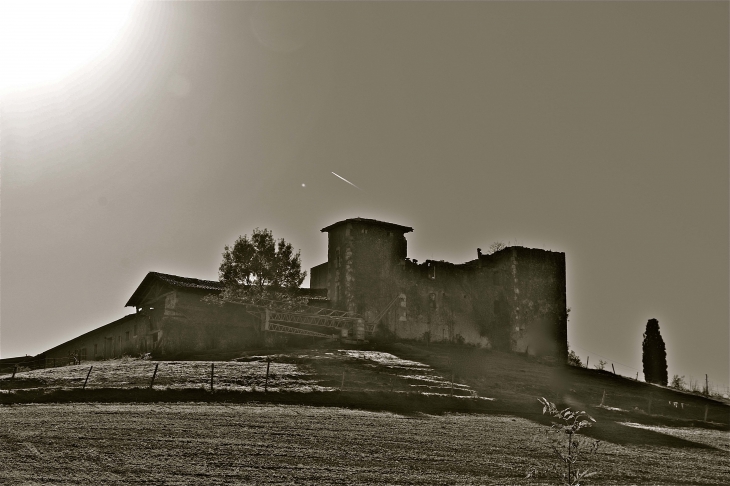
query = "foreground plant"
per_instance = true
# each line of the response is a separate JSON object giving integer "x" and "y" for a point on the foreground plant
{"x": 566, "y": 432}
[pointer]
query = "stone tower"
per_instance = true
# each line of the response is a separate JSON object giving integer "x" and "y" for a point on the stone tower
{"x": 363, "y": 255}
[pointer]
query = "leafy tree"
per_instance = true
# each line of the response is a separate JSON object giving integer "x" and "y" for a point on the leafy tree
{"x": 260, "y": 267}
{"x": 654, "y": 356}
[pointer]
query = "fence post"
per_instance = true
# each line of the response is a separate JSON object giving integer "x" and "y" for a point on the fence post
{"x": 153, "y": 375}
{"x": 614, "y": 369}
{"x": 603, "y": 398}
{"x": 212, "y": 368}
{"x": 707, "y": 387}
{"x": 87, "y": 378}
{"x": 266, "y": 383}
{"x": 588, "y": 360}
{"x": 15, "y": 370}
{"x": 637, "y": 376}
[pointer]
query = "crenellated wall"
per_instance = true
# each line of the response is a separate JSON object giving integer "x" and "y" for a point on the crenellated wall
{"x": 513, "y": 299}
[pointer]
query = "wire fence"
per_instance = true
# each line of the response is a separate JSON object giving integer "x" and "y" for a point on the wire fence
{"x": 653, "y": 404}
{"x": 242, "y": 376}
{"x": 38, "y": 364}
{"x": 268, "y": 375}
{"x": 260, "y": 374}
{"x": 705, "y": 386}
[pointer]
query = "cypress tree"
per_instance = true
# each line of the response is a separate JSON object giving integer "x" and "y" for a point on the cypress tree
{"x": 654, "y": 355}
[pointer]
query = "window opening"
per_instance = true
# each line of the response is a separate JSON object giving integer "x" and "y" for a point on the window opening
{"x": 432, "y": 300}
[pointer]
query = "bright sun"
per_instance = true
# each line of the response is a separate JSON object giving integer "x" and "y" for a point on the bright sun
{"x": 42, "y": 41}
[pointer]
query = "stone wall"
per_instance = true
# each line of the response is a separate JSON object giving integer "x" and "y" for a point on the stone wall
{"x": 318, "y": 277}
{"x": 129, "y": 335}
{"x": 512, "y": 300}
{"x": 539, "y": 302}
{"x": 190, "y": 325}
{"x": 180, "y": 324}
{"x": 361, "y": 262}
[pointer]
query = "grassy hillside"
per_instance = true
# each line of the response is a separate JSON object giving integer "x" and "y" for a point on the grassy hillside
{"x": 294, "y": 371}
{"x": 513, "y": 381}
{"x": 518, "y": 380}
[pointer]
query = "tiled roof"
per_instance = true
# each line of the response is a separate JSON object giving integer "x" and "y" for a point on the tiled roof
{"x": 187, "y": 282}
{"x": 173, "y": 281}
{"x": 313, "y": 294}
{"x": 399, "y": 227}
{"x": 212, "y": 286}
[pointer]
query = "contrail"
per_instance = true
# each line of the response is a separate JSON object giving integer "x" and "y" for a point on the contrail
{"x": 353, "y": 185}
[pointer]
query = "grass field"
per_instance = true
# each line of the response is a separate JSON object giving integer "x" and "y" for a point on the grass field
{"x": 223, "y": 444}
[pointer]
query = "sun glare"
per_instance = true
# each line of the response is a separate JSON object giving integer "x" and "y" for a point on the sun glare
{"x": 43, "y": 41}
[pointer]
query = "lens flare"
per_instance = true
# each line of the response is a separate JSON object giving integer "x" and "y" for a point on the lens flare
{"x": 41, "y": 41}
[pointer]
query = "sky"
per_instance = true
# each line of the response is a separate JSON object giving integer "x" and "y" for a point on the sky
{"x": 598, "y": 129}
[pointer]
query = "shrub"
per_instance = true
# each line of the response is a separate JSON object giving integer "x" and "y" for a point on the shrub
{"x": 495, "y": 247}
{"x": 678, "y": 382}
{"x": 601, "y": 365}
{"x": 574, "y": 359}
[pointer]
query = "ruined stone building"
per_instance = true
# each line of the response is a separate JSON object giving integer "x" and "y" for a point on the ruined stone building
{"x": 513, "y": 300}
